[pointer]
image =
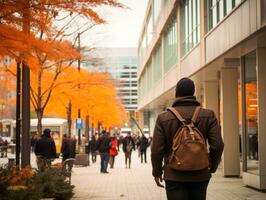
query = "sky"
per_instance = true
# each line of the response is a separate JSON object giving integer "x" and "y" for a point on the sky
{"x": 123, "y": 26}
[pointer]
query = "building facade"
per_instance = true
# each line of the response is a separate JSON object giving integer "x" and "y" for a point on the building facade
{"x": 121, "y": 63}
{"x": 221, "y": 45}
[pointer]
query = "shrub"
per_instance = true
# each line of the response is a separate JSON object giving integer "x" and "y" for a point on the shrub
{"x": 53, "y": 185}
{"x": 26, "y": 184}
{"x": 18, "y": 184}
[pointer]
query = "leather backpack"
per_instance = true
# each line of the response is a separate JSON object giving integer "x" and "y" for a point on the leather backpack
{"x": 189, "y": 149}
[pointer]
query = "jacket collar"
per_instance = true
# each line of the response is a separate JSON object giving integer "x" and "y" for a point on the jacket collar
{"x": 186, "y": 101}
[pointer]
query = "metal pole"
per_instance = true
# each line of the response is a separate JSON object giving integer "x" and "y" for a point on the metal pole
{"x": 79, "y": 111}
{"x": 18, "y": 115}
{"x": 88, "y": 136}
{"x": 25, "y": 150}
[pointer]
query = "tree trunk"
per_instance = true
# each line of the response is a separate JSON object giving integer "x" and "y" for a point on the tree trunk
{"x": 87, "y": 128}
{"x": 69, "y": 118}
{"x": 39, "y": 113}
{"x": 39, "y": 109}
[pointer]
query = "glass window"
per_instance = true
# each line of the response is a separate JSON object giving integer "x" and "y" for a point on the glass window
{"x": 218, "y": 9}
{"x": 190, "y": 25}
{"x": 157, "y": 6}
{"x": 143, "y": 47}
{"x": 157, "y": 64}
{"x": 149, "y": 29}
{"x": 170, "y": 46}
{"x": 145, "y": 82}
{"x": 229, "y": 6}
{"x": 149, "y": 75}
{"x": 251, "y": 115}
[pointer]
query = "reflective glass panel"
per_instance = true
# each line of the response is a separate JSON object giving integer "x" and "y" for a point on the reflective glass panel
{"x": 251, "y": 116}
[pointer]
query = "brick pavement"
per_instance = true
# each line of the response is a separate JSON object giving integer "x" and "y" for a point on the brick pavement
{"x": 137, "y": 184}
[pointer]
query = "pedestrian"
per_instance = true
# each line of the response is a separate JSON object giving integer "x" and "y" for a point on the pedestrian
{"x": 73, "y": 144}
{"x": 120, "y": 140}
{"x": 113, "y": 150}
{"x": 138, "y": 145}
{"x": 93, "y": 148}
{"x": 103, "y": 147}
{"x": 68, "y": 148}
{"x": 45, "y": 149}
{"x": 199, "y": 125}
{"x": 143, "y": 145}
{"x": 128, "y": 147}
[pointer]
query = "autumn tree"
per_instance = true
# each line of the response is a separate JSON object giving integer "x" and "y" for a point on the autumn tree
{"x": 93, "y": 92}
{"x": 43, "y": 47}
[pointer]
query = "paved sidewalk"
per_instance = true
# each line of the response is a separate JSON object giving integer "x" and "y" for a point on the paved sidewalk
{"x": 137, "y": 184}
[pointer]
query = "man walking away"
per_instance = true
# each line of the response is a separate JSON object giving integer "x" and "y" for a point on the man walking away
{"x": 128, "y": 146}
{"x": 93, "y": 148}
{"x": 68, "y": 148}
{"x": 186, "y": 180}
{"x": 144, "y": 143}
{"x": 103, "y": 147}
{"x": 45, "y": 149}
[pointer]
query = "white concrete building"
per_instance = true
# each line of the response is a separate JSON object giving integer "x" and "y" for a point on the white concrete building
{"x": 221, "y": 45}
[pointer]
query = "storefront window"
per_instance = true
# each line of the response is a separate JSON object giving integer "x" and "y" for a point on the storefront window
{"x": 251, "y": 113}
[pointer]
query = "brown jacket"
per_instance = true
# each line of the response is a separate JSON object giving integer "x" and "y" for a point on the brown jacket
{"x": 165, "y": 129}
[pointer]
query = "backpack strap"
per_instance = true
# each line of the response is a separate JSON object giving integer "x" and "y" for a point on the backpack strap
{"x": 196, "y": 114}
{"x": 177, "y": 115}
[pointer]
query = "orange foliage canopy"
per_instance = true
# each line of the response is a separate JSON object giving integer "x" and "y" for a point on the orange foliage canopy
{"x": 28, "y": 33}
{"x": 27, "y": 30}
{"x": 93, "y": 93}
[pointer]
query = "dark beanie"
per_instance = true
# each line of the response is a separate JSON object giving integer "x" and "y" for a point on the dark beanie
{"x": 47, "y": 132}
{"x": 184, "y": 87}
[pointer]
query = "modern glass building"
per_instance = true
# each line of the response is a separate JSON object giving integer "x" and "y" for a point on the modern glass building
{"x": 121, "y": 63}
{"x": 221, "y": 45}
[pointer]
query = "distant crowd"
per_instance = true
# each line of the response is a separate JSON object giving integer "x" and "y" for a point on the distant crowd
{"x": 106, "y": 144}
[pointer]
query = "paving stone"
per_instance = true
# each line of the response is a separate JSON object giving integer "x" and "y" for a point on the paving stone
{"x": 137, "y": 184}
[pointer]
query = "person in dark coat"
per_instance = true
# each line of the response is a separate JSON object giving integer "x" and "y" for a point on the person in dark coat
{"x": 128, "y": 146}
{"x": 93, "y": 148}
{"x": 185, "y": 185}
{"x": 68, "y": 148}
{"x": 45, "y": 147}
{"x": 143, "y": 145}
{"x": 103, "y": 146}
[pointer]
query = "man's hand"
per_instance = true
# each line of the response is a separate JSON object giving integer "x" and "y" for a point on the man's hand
{"x": 158, "y": 181}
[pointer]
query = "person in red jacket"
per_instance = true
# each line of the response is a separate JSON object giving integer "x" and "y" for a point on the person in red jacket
{"x": 113, "y": 151}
